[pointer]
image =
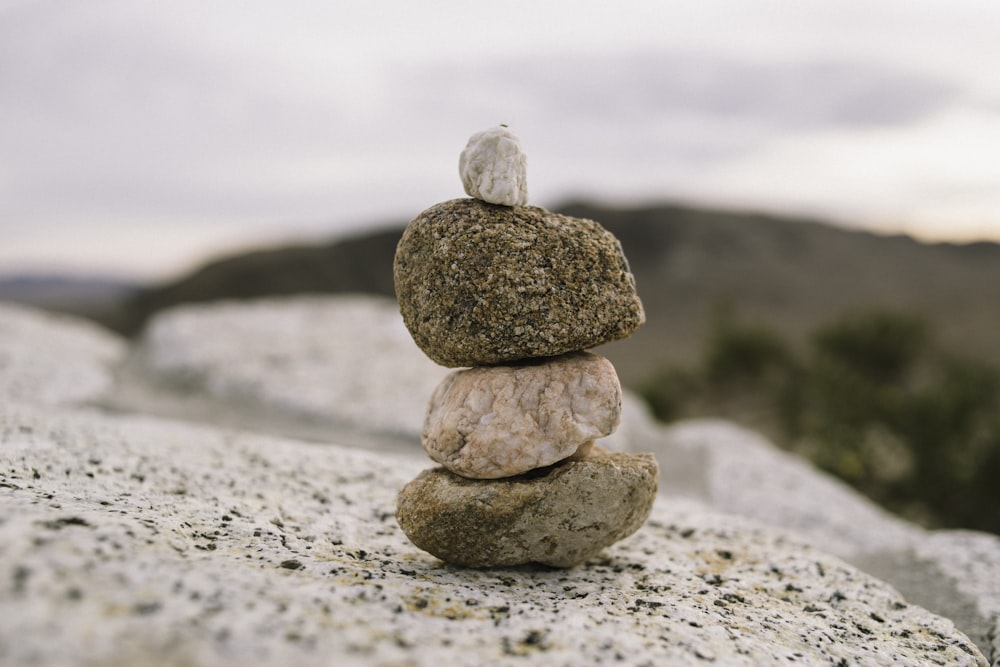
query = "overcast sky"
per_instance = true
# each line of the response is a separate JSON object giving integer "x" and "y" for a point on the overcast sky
{"x": 140, "y": 138}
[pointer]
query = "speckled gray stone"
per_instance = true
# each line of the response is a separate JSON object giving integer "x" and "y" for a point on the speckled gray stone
{"x": 483, "y": 284}
{"x": 137, "y": 541}
{"x": 559, "y": 516}
{"x": 499, "y": 421}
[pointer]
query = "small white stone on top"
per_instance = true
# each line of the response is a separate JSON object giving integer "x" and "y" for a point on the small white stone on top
{"x": 493, "y": 168}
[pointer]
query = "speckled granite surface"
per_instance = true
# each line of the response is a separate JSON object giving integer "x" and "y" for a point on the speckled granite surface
{"x": 143, "y": 541}
{"x": 134, "y": 541}
{"x": 54, "y": 360}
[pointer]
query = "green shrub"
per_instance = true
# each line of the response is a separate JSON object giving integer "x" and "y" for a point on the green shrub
{"x": 882, "y": 346}
{"x": 952, "y": 426}
{"x": 743, "y": 353}
{"x": 669, "y": 392}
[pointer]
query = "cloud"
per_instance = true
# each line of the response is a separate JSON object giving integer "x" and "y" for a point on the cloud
{"x": 780, "y": 96}
{"x": 636, "y": 124}
{"x": 188, "y": 115}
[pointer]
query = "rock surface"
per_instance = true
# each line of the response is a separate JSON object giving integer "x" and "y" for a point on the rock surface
{"x": 479, "y": 284}
{"x": 498, "y": 421}
{"x": 738, "y": 471}
{"x": 82, "y": 583}
{"x": 954, "y": 573}
{"x": 53, "y": 359}
{"x": 558, "y": 516}
{"x": 329, "y": 361}
{"x": 494, "y": 168}
{"x": 137, "y": 541}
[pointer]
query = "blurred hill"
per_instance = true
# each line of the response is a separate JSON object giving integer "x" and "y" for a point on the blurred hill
{"x": 357, "y": 264}
{"x": 88, "y": 297}
{"x": 789, "y": 274}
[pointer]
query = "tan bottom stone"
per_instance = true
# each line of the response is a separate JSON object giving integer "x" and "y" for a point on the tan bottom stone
{"x": 559, "y": 516}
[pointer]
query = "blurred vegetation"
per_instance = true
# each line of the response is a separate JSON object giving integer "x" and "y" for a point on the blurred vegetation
{"x": 870, "y": 398}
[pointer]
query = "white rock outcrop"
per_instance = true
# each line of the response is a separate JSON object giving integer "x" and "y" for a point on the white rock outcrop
{"x": 134, "y": 540}
{"x": 743, "y": 473}
{"x": 137, "y": 541}
{"x": 51, "y": 359}
{"x": 494, "y": 168}
{"x": 328, "y": 360}
{"x": 498, "y": 421}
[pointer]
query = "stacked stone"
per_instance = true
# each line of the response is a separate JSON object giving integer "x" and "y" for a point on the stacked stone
{"x": 517, "y": 294}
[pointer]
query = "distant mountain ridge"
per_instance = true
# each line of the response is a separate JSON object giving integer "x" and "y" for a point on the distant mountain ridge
{"x": 360, "y": 263}
{"x": 65, "y": 293}
{"x": 788, "y": 273}
{"x": 792, "y": 274}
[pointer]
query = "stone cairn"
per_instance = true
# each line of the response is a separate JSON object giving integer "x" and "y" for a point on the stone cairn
{"x": 515, "y": 294}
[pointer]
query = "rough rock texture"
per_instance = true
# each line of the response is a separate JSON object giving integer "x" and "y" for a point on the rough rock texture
{"x": 53, "y": 359}
{"x": 559, "y": 516}
{"x": 138, "y": 541}
{"x": 954, "y": 573}
{"x": 482, "y": 284}
{"x": 494, "y": 168}
{"x": 498, "y": 421}
{"x": 320, "y": 359}
{"x": 738, "y": 471}
{"x": 104, "y": 593}
{"x": 970, "y": 564}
